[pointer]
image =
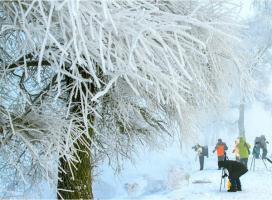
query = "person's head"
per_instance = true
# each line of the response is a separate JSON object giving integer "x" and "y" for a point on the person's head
{"x": 219, "y": 140}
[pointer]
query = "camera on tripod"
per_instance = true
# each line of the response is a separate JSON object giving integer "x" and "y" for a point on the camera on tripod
{"x": 195, "y": 147}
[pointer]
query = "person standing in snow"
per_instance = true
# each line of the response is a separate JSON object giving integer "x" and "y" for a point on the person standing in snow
{"x": 244, "y": 151}
{"x": 220, "y": 149}
{"x": 257, "y": 148}
{"x": 235, "y": 171}
{"x": 263, "y": 145}
{"x": 200, "y": 152}
{"x": 236, "y": 150}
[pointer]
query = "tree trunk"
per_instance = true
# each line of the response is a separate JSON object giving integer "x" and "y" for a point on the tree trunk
{"x": 241, "y": 121}
{"x": 81, "y": 185}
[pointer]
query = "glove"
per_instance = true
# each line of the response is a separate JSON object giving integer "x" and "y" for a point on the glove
{"x": 213, "y": 151}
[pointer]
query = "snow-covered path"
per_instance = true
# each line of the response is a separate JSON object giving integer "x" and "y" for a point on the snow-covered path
{"x": 205, "y": 185}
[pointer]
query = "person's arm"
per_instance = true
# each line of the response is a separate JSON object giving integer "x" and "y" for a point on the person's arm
{"x": 215, "y": 148}
{"x": 233, "y": 150}
{"x": 235, "y": 147}
{"x": 226, "y": 147}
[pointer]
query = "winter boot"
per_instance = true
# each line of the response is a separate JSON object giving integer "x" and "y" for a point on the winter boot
{"x": 232, "y": 190}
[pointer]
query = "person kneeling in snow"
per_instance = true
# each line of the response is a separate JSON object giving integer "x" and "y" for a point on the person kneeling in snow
{"x": 235, "y": 170}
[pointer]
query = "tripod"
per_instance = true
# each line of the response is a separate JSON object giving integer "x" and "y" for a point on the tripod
{"x": 223, "y": 174}
{"x": 253, "y": 163}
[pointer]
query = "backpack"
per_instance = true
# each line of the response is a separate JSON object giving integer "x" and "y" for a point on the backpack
{"x": 256, "y": 152}
{"x": 205, "y": 151}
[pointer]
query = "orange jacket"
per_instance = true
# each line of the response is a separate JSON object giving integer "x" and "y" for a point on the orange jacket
{"x": 220, "y": 149}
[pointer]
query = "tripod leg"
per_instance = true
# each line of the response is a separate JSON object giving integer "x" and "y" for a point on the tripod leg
{"x": 268, "y": 160}
{"x": 254, "y": 165}
{"x": 251, "y": 163}
{"x": 222, "y": 173}
{"x": 264, "y": 164}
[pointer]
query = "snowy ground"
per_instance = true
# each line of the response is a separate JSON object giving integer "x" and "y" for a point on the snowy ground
{"x": 206, "y": 185}
{"x": 200, "y": 185}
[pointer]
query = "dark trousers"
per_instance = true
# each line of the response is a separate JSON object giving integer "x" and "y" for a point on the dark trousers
{"x": 220, "y": 158}
{"x": 244, "y": 161}
{"x": 235, "y": 184}
{"x": 201, "y": 162}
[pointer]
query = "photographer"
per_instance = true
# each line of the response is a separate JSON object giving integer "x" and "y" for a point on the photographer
{"x": 263, "y": 145}
{"x": 220, "y": 149}
{"x": 235, "y": 171}
{"x": 200, "y": 152}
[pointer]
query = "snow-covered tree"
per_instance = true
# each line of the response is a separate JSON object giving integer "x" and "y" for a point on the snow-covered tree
{"x": 258, "y": 42}
{"x": 80, "y": 77}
